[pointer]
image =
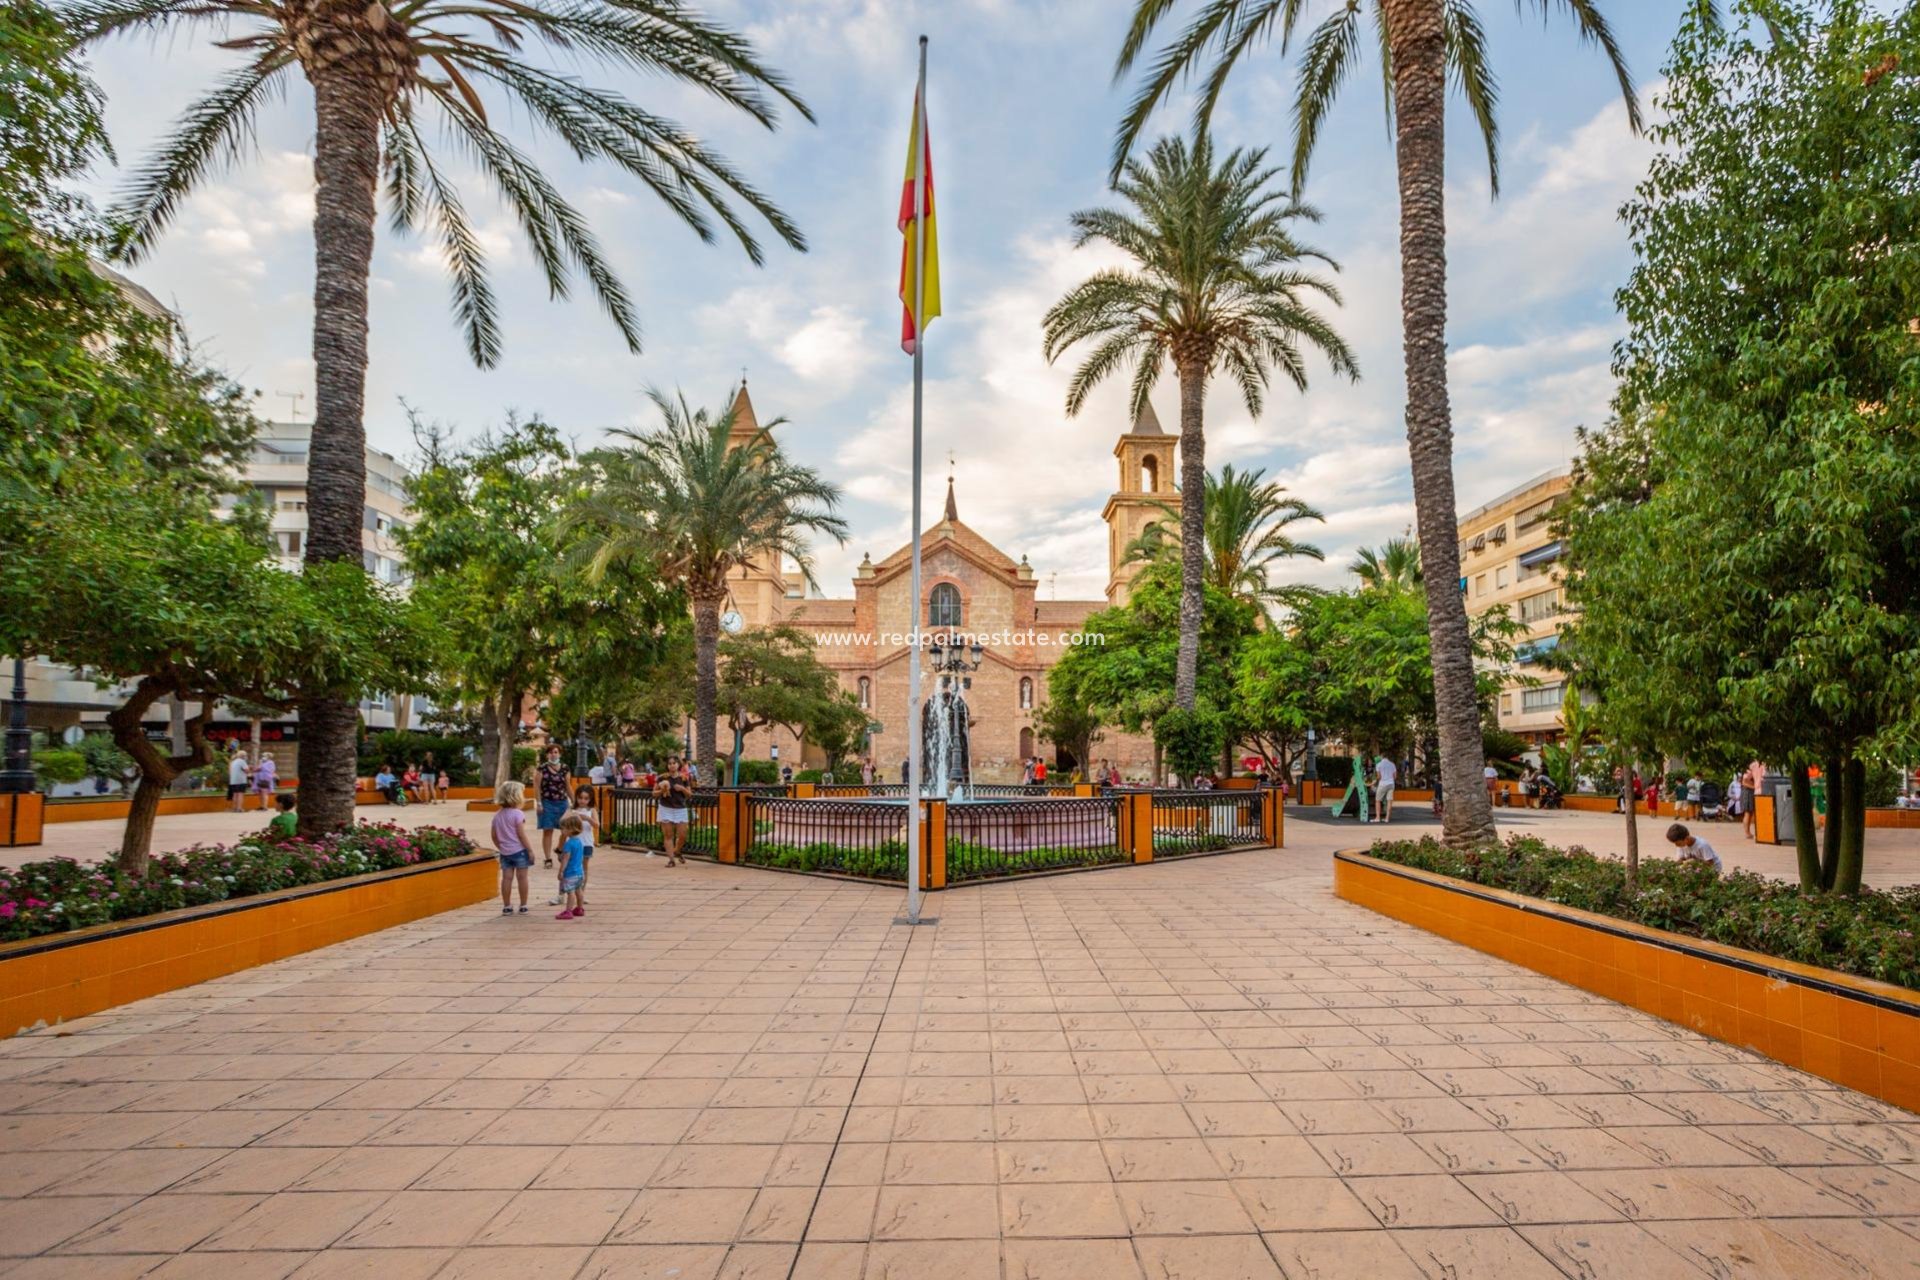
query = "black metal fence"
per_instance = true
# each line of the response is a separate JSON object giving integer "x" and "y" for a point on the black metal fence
{"x": 636, "y": 821}
{"x": 990, "y": 838}
{"x": 851, "y": 837}
{"x": 1205, "y": 821}
{"x": 1013, "y": 790}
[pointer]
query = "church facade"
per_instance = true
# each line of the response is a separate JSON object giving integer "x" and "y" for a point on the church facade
{"x": 974, "y": 591}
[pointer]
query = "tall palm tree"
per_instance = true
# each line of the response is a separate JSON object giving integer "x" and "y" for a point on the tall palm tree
{"x": 1247, "y": 518}
{"x": 379, "y": 72}
{"x": 1215, "y": 284}
{"x": 1394, "y": 566}
{"x": 695, "y": 505}
{"x": 1421, "y": 43}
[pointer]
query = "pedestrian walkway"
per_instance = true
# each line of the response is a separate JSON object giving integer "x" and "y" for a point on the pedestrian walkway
{"x": 1200, "y": 1070}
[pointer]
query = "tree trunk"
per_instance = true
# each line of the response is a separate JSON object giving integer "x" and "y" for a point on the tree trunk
{"x": 506, "y": 720}
{"x": 347, "y": 107}
{"x": 1419, "y": 55}
{"x": 1633, "y": 827}
{"x": 706, "y": 682}
{"x": 1193, "y": 527}
{"x": 1851, "y": 818}
{"x": 490, "y": 745}
{"x": 157, "y": 771}
{"x": 1830, "y": 842}
{"x": 1806, "y": 838}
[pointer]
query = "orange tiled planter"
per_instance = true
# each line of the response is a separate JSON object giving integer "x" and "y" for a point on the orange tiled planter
{"x": 1854, "y": 1031}
{"x": 69, "y": 975}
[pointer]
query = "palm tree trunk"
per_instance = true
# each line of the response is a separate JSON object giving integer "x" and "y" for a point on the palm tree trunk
{"x": 1419, "y": 52}
{"x": 1193, "y": 527}
{"x": 706, "y": 681}
{"x": 346, "y": 162}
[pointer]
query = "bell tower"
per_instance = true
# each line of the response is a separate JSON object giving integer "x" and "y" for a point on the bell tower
{"x": 760, "y": 593}
{"x": 1146, "y": 485}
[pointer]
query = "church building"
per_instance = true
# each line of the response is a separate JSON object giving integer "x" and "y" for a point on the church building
{"x": 971, "y": 588}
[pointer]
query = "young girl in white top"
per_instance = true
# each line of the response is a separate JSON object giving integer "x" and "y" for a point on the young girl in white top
{"x": 583, "y": 809}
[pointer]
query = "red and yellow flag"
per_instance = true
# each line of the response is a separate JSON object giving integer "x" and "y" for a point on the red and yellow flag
{"x": 911, "y": 327}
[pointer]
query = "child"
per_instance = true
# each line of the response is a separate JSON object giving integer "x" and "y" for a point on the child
{"x": 1692, "y": 848}
{"x": 285, "y": 823}
{"x": 510, "y": 839}
{"x": 589, "y": 825}
{"x": 573, "y": 867}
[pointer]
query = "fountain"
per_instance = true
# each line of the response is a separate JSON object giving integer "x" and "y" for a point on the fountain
{"x": 944, "y": 726}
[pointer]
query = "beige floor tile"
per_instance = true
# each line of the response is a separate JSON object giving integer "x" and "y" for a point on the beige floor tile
{"x": 1070, "y": 1260}
{"x": 229, "y": 1266}
{"x": 295, "y": 1220}
{"x": 931, "y": 1260}
{"x": 671, "y": 1261}
{"x": 1236, "y": 1257}
{"x": 1373, "y": 1154}
{"x": 1304, "y": 1204}
{"x": 1611, "y": 1249}
{"x": 828, "y": 1261}
{"x": 429, "y": 1219}
{"x": 488, "y": 1168}
{"x": 161, "y": 1224}
{"x": 1183, "y": 1208}
{"x": 572, "y": 1217}
{"x": 372, "y": 1169}
{"x": 605, "y": 1166}
{"x": 30, "y": 1226}
{"x": 714, "y": 1166}
{"x": 1022, "y": 1162}
{"x": 1061, "y": 1210}
{"x": 936, "y": 1213}
{"x": 1341, "y": 1255}
{"x": 1160, "y": 1159}
{"x": 373, "y": 1264}
{"x": 779, "y": 1214}
{"x": 1744, "y": 1250}
{"x": 547, "y": 1263}
{"x": 90, "y": 1267}
{"x": 684, "y": 1215}
{"x": 950, "y": 1163}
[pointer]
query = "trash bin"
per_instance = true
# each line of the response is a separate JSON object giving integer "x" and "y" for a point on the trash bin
{"x": 1782, "y": 792}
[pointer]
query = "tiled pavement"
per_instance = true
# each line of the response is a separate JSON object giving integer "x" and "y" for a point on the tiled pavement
{"x": 1194, "y": 1071}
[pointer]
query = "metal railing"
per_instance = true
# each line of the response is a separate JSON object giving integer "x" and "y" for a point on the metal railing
{"x": 1204, "y": 821}
{"x": 844, "y": 836}
{"x": 1011, "y": 790}
{"x": 636, "y": 821}
{"x": 1012, "y": 837}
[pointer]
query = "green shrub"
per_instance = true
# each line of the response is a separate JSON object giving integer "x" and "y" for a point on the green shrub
{"x": 457, "y": 756}
{"x": 59, "y": 765}
{"x": 1874, "y": 935}
{"x": 753, "y": 772}
{"x": 1190, "y": 739}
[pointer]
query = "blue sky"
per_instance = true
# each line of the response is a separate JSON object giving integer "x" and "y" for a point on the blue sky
{"x": 1022, "y": 113}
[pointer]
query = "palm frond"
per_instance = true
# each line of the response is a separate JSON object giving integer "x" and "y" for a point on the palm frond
{"x": 1330, "y": 53}
{"x": 1594, "y": 29}
{"x": 1467, "y": 63}
{"x": 212, "y": 133}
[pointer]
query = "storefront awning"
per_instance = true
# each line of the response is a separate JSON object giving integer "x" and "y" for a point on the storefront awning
{"x": 1541, "y": 555}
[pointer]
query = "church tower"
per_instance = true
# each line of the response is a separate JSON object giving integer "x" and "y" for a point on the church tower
{"x": 1146, "y": 485}
{"x": 759, "y": 593}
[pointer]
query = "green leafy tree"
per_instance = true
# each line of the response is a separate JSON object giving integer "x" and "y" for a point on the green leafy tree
{"x": 771, "y": 676}
{"x": 1248, "y": 519}
{"x": 1070, "y": 725}
{"x": 690, "y": 505}
{"x": 1127, "y": 679}
{"x": 1215, "y": 284}
{"x": 1423, "y": 46}
{"x": 383, "y": 77}
{"x": 1393, "y": 566}
{"x": 838, "y": 726}
{"x": 1770, "y": 321}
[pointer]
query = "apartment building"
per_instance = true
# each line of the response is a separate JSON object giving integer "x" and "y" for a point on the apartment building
{"x": 1510, "y": 556}
{"x": 61, "y": 697}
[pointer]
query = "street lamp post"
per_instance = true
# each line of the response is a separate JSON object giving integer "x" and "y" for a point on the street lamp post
{"x": 17, "y": 779}
{"x": 581, "y": 763}
{"x": 1312, "y": 771}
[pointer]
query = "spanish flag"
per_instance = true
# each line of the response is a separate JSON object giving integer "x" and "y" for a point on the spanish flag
{"x": 910, "y": 327}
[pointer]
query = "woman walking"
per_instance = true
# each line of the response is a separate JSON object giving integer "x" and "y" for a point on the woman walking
{"x": 674, "y": 795}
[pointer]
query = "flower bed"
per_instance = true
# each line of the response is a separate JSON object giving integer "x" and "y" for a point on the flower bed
{"x": 61, "y": 894}
{"x": 1875, "y": 935}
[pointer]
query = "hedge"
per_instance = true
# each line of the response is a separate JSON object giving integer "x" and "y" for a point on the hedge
{"x": 1875, "y": 934}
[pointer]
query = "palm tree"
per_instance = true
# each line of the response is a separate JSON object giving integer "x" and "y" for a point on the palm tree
{"x": 1247, "y": 518}
{"x": 376, "y": 69}
{"x": 695, "y": 504}
{"x": 1395, "y": 566}
{"x": 1421, "y": 43}
{"x": 1214, "y": 284}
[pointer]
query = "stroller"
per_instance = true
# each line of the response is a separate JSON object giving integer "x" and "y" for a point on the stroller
{"x": 1713, "y": 805}
{"x": 1546, "y": 793}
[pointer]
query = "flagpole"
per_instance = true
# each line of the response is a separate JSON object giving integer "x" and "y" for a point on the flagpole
{"x": 915, "y": 805}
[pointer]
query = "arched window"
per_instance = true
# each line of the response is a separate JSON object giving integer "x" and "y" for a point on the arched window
{"x": 866, "y": 692}
{"x": 1026, "y": 693}
{"x": 1150, "y": 474}
{"x": 1026, "y": 744}
{"x": 943, "y": 606}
